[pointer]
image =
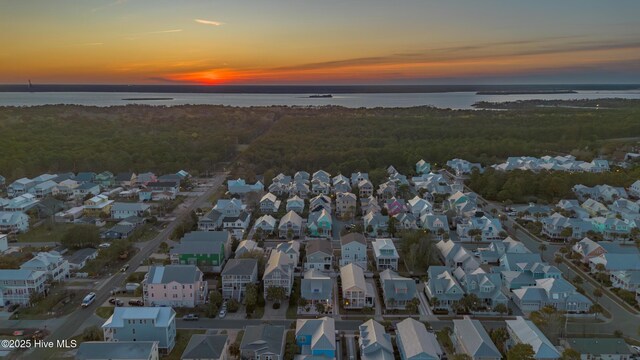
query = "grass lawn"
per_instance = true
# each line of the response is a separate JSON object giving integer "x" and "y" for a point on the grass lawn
{"x": 145, "y": 233}
{"x": 182, "y": 339}
{"x": 258, "y": 313}
{"x": 47, "y": 232}
{"x": 105, "y": 311}
{"x": 59, "y": 302}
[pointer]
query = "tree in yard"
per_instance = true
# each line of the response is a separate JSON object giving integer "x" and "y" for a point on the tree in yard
{"x": 596, "y": 309}
{"x": 258, "y": 235}
{"x": 233, "y": 305}
{"x": 302, "y": 302}
{"x": 600, "y": 267}
{"x": 92, "y": 333}
{"x": 215, "y": 301}
{"x": 164, "y": 247}
{"x": 549, "y": 320}
{"x": 557, "y": 260}
{"x": 234, "y": 349}
{"x": 289, "y": 234}
{"x": 474, "y": 233}
{"x": 577, "y": 280}
{"x": 234, "y": 244}
{"x": 412, "y": 306}
{"x": 391, "y": 228}
{"x": 251, "y": 297}
{"x": 499, "y": 336}
{"x": 276, "y": 293}
{"x": 566, "y": 232}
{"x": 81, "y": 236}
{"x": 320, "y": 307}
{"x": 435, "y": 302}
{"x": 542, "y": 247}
{"x": 501, "y": 308}
{"x": 470, "y": 302}
{"x": 570, "y": 354}
{"x": 521, "y": 352}
{"x": 597, "y": 293}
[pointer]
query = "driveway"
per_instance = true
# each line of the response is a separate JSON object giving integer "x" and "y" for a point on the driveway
{"x": 275, "y": 314}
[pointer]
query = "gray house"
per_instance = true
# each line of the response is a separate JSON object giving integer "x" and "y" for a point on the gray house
{"x": 415, "y": 342}
{"x": 316, "y": 287}
{"x": 263, "y": 342}
{"x": 129, "y": 350}
{"x": 469, "y": 337}
{"x": 236, "y": 275}
{"x": 319, "y": 255}
{"x": 206, "y": 347}
{"x": 397, "y": 290}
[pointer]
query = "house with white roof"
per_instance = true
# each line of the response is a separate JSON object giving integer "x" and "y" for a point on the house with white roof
{"x": 291, "y": 249}
{"x": 490, "y": 228}
{"x": 462, "y": 167}
{"x": 454, "y": 255}
{"x": 247, "y": 246}
{"x": 415, "y": 342}
{"x": 21, "y": 203}
{"x": 290, "y": 226}
{"x": 52, "y": 263}
{"x": 386, "y": 254}
{"x": 269, "y": 203}
{"x": 19, "y": 187}
{"x": 278, "y": 272}
{"x": 626, "y": 279}
{"x": 419, "y": 206}
{"x": 241, "y": 187}
{"x": 423, "y": 167}
{"x": 175, "y": 286}
{"x": 295, "y": 204}
{"x": 365, "y": 188}
{"x": 345, "y": 204}
{"x": 122, "y": 210}
{"x": 437, "y": 224}
{"x": 375, "y": 224}
{"x": 486, "y": 286}
{"x": 12, "y": 222}
{"x": 634, "y": 189}
{"x": 142, "y": 324}
{"x": 266, "y": 223}
{"x": 522, "y": 331}
{"x": 356, "y": 292}
{"x": 374, "y": 342}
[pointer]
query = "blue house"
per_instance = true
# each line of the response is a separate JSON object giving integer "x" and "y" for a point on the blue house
{"x": 423, "y": 167}
{"x": 317, "y": 337}
{"x": 142, "y": 324}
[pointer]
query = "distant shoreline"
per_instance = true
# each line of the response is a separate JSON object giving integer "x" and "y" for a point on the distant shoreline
{"x": 317, "y": 89}
{"x": 148, "y": 99}
{"x": 533, "y": 92}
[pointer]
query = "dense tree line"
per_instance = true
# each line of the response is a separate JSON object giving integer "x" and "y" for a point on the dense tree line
{"x": 524, "y": 186}
{"x": 62, "y": 138}
{"x": 346, "y": 140}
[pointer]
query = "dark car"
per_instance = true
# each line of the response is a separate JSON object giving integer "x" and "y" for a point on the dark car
{"x": 136, "y": 302}
{"x": 116, "y": 302}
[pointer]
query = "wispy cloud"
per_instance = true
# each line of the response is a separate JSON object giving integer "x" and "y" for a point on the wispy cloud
{"x": 163, "y": 31}
{"x": 108, "y": 5}
{"x": 208, "y": 22}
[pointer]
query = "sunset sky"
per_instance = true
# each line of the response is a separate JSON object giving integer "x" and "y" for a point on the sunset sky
{"x": 319, "y": 42}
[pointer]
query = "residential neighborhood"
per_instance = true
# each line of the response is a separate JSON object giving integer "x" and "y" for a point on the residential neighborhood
{"x": 323, "y": 266}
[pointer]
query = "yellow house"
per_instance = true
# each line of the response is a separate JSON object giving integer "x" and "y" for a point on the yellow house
{"x": 98, "y": 205}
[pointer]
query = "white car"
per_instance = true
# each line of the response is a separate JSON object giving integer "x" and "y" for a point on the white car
{"x": 104, "y": 245}
{"x": 222, "y": 313}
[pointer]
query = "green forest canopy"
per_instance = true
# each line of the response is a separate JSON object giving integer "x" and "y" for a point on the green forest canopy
{"x": 165, "y": 139}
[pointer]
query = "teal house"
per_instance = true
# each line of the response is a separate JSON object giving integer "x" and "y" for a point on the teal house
{"x": 320, "y": 224}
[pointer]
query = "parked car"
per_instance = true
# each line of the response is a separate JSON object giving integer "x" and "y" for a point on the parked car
{"x": 104, "y": 245}
{"x": 222, "y": 313}
{"x": 116, "y": 302}
{"x": 136, "y": 302}
{"x": 190, "y": 317}
{"x": 124, "y": 268}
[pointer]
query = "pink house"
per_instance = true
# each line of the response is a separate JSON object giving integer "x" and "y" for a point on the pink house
{"x": 174, "y": 285}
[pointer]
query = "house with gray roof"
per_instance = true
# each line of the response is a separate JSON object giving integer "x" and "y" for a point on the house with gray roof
{"x": 291, "y": 249}
{"x": 122, "y": 210}
{"x": 353, "y": 249}
{"x": 207, "y": 347}
{"x": 522, "y": 331}
{"x": 142, "y": 324}
{"x": 296, "y": 204}
{"x": 397, "y": 291}
{"x": 236, "y": 274}
{"x": 174, "y": 285}
{"x": 616, "y": 262}
{"x": 374, "y": 342}
{"x": 17, "y": 285}
{"x": 19, "y": 187}
{"x": 206, "y": 249}
{"x": 386, "y": 254}
{"x": 469, "y": 337}
{"x": 263, "y": 342}
{"x": 316, "y": 338}
{"x": 79, "y": 258}
{"x": 415, "y": 342}
{"x": 375, "y": 223}
{"x": 600, "y": 348}
{"x": 319, "y": 255}
{"x": 626, "y": 279}
{"x": 316, "y": 287}
{"x": 122, "y": 350}
{"x": 437, "y": 224}
{"x": 558, "y": 293}
{"x": 269, "y": 203}
{"x": 454, "y": 255}
{"x": 266, "y": 224}
{"x": 442, "y": 289}
{"x": 486, "y": 286}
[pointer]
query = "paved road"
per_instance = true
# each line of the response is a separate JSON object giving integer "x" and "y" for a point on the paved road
{"x": 76, "y": 322}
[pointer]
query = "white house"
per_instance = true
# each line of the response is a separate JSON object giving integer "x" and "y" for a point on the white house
{"x": 353, "y": 250}
{"x": 51, "y": 263}
{"x": 142, "y": 324}
{"x": 236, "y": 275}
{"x": 17, "y": 286}
{"x": 386, "y": 254}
